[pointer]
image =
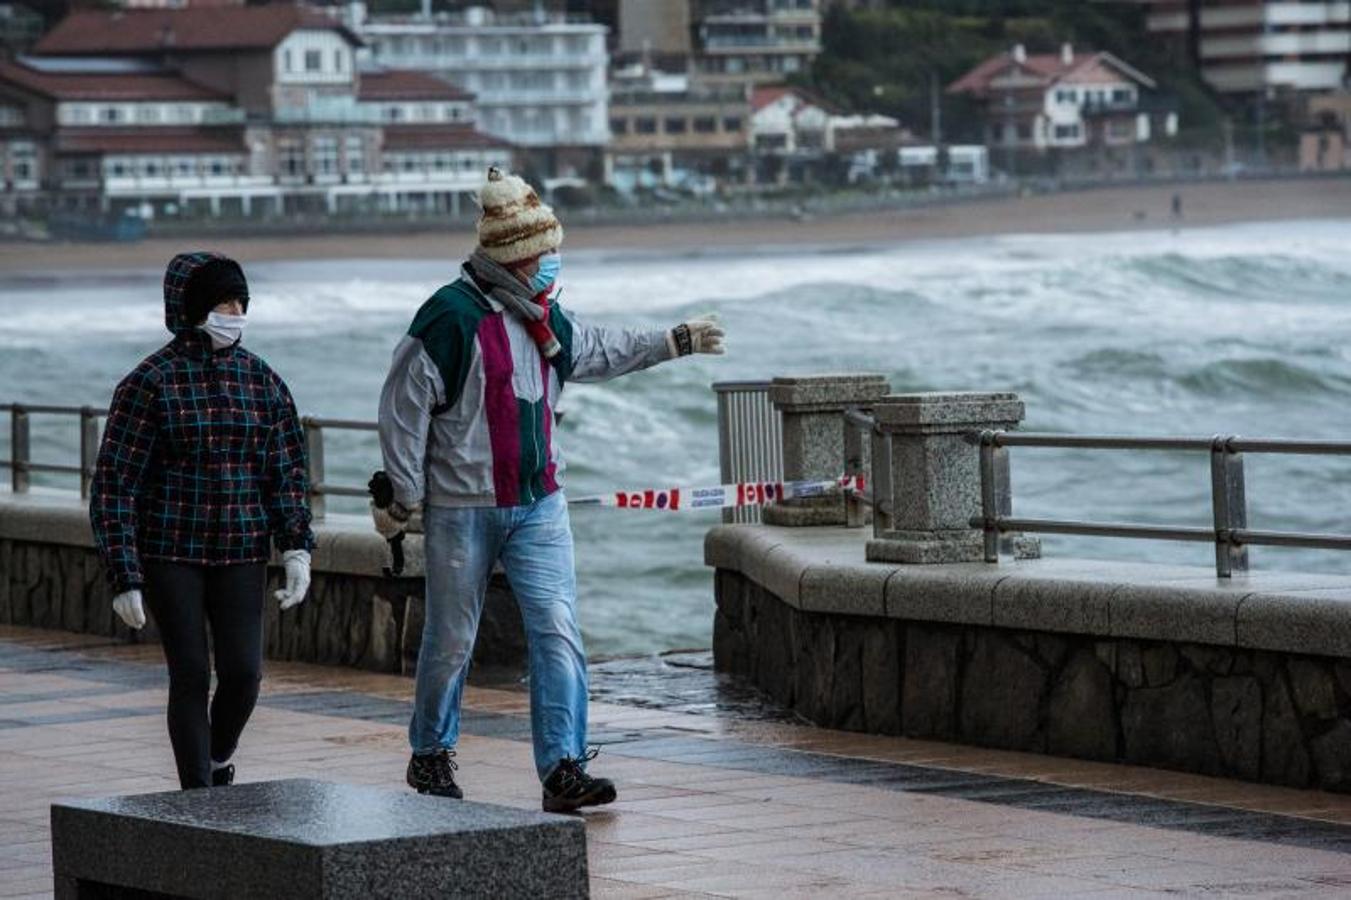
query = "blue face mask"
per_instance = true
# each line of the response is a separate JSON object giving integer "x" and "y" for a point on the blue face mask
{"x": 549, "y": 266}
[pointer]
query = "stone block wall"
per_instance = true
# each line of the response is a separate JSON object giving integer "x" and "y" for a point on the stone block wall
{"x": 348, "y": 619}
{"x": 1277, "y": 717}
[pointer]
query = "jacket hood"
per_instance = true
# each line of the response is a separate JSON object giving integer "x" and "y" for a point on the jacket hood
{"x": 176, "y": 278}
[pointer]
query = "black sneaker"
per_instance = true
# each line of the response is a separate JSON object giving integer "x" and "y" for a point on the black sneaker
{"x": 569, "y": 788}
{"x": 434, "y": 773}
{"x": 223, "y": 776}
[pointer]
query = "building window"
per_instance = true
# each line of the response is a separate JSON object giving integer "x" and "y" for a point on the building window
{"x": 110, "y": 115}
{"x": 676, "y": 125}
{"x": 645, "y": 125}
{"x": 1121, "y": 95}
{"x": 1064, "y": 96}
{"x": 325, "y": 151}
{"x": 185, "y": 166}
{"x": 354, "y": 152}
{"x": 393, "y": 113}
{"x": 286, "y": 60}
{"x": 23, "y": 161}
{"x": 147, "y": 113}
{"x": 705, "y": 124}
{"x": 619, "y": 126}
{"x": 337, "y": 61}
{"x": 731, "y": 123}
{"x": 183, "y": 112}
{"x": 1066, "y": 132}
{"x": 313, "y": 61}
{"x": 292, "y": 159}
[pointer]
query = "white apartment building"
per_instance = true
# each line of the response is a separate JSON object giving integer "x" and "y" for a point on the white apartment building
{"x": 1248, "y": 46}
{"x": 539, "y": 80}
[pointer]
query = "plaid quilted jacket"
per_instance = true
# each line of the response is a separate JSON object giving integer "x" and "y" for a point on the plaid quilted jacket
{"x": 203, "y": 458}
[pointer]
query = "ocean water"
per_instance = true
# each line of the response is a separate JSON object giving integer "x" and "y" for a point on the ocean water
{"x": 1241, "y": 329}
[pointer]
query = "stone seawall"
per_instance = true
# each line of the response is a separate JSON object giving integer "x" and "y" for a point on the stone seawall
{"x": 1152, "y": 665}
{"x": 50, "y": 577}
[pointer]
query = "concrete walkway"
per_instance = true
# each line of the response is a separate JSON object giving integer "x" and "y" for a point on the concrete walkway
{"x": 708, "y": 806}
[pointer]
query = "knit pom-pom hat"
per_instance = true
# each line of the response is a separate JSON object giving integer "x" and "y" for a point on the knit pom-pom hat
{"x": 515, "y": 225}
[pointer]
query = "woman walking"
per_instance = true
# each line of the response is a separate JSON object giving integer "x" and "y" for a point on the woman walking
{"x": 201, "y": 470}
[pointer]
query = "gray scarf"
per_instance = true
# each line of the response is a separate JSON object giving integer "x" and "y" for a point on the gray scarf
{"x": 506, "y": 288}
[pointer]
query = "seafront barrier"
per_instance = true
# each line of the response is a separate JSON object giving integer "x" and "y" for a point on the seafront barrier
{"x": 355, "y": 615}
{"x": 919, "y": 606}
{"x": 940, "y": 621}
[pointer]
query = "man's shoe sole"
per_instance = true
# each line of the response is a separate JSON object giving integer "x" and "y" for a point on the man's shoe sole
{"x": 562, "y": 804}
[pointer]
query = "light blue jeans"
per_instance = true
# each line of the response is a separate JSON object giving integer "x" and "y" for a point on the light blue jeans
{"x": 534, "y": 544}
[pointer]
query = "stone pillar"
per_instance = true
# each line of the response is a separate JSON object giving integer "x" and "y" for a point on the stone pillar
{"x": 935, "y": 474}
{"x": 813, "y": 439}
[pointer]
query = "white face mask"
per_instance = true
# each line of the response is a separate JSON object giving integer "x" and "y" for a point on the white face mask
{"x": 224, "y": 330}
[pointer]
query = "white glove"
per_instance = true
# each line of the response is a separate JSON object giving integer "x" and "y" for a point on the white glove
{"x": 391, "y": 521}
{"x": 297, "y": 563}
{"x": 702, "y": 335}
{"x": 129, "y": 609}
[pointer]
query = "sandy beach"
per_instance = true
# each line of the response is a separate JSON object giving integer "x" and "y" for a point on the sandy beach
{"x": 1107, "y": 209}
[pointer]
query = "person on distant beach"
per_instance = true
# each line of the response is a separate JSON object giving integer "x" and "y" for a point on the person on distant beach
{"x": 1177, "y": 207}
{"x": 467, "y": 434}
{"x": 201, "y": 471}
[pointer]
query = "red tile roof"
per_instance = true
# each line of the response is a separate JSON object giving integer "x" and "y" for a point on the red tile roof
{"x": 765, "y": 95}
{"x": 1044, "y": 68}
{"x": 404, "y": 84}
{"x": 438, "y": 137}
{"x": 142, "y": 31}
{"x": 149, "y": 140}
{"x": 105, "y": 86}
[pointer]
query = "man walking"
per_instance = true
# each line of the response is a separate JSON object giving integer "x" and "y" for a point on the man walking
{"x": 466, "y": 430}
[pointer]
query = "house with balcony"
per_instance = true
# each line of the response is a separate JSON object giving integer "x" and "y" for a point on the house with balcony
{"x": 668, "y": 133}
{"x": 1066, "y": 101}
{"x": 239, "y": 111}
{"x": 795, "y": 135}
{"x": 539, "y": 79}
{"x": 754, "y": 42}
{"x": 1260, "y": 47}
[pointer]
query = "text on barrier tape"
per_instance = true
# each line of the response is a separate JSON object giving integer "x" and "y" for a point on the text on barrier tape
{"x": 722, "y": 496}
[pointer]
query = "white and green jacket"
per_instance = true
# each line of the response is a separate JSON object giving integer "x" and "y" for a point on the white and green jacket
{"x": 467, "y": 410}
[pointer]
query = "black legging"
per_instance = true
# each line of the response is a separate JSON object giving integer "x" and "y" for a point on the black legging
{"x": 183, "y": 599}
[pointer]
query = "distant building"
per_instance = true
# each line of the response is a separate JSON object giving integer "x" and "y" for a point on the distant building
{"x": 539, "y": 80}
{"x": 243, "y": 111}
{"x": 1067, "y": 101}
{"x": 668, "y": 133}
{"x": 923, "y": 164}
{"x": 793, "y": 133}
{"x": 754, "y": 41}
{"x": 1260, "y": 46}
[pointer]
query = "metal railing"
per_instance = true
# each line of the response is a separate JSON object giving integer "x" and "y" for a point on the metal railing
{"x": 877, "y": 482}
{"x": 750, "y": 439}
{"x": 21, "y": 464}
{"x": 1229, "y": 531}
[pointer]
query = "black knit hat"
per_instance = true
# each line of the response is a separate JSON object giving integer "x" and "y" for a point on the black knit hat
{"x": 214, "y": 281}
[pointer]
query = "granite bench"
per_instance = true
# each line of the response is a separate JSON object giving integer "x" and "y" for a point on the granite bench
{"x": 303, "y": 838}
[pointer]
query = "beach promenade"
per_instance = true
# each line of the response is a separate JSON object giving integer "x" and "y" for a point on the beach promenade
{"x": 709, "y": 806}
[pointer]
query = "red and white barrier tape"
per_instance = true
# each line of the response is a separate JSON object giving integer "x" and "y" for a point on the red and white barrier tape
{"x": 722, "y": 496}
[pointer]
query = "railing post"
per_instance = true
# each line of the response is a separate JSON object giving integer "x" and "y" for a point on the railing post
{"x": 813, "y": 445}
{"x": 881, "y": 483}
{"x": 853, "y": 467}
{"x": 989, "y": 495}
{"x": 19, "y": 449}
{"x": 724, "y": 448}
{"x": 314, "y": 464}
{"x": 89, "y": 448}
{"x": 935, "y": 499}
{"x": 1230, "y": 506}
